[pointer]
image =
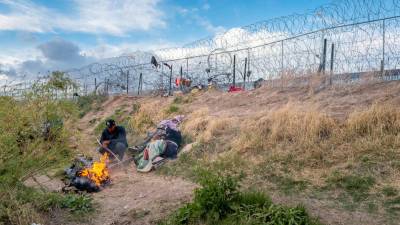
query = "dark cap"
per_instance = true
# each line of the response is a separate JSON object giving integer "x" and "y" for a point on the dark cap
{"x": 110, "y": 123}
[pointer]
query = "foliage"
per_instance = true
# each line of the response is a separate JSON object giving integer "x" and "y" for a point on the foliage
{"x": 34, "y": 137}
{"x": 172, "y": 109}
{"x": 59, "y": 81}
{"x": 78, "y": 203}
{"x": 89, "y": 102}
{"x": 357, "y": 186}
{"x": 219, "y": 201}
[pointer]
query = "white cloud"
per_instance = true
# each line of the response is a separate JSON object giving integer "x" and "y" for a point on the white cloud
{"x": 105, "y": 50}
{"x": 3, "y": 77}
{"x": 91, "y": 16}
{"x": 192, "y": 14}
{"x": 206, "y": 24}
{"x": 206, "y": 6}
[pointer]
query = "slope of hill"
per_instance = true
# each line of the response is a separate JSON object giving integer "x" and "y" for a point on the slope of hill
{"x": 336, "y": 150}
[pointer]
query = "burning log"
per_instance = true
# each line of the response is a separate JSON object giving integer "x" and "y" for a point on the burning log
{"x": 86, "y": 175}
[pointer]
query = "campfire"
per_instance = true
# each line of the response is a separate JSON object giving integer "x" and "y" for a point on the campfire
{"x": 98, "y": 173}
{"x": 88, "y": 175}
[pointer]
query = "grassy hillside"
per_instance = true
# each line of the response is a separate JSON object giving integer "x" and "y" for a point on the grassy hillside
{"x": 352, "y": 163}
{"x": 336, "y": 151}
{"x": 36, "y": 137}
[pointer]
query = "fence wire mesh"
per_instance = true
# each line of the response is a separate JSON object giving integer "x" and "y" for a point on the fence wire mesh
{"x": 343, "y": 41}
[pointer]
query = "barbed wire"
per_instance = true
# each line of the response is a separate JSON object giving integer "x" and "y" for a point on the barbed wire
{"x": 347, "y": 37}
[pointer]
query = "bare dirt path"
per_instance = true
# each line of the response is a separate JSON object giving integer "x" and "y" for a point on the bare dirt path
{"x": 132, "y": 198}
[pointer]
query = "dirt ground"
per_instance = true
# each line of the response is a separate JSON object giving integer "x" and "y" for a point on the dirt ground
{"x": 132, "y": 198}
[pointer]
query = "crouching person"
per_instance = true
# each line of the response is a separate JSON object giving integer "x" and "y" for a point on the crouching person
{"x": 113, "y": 138}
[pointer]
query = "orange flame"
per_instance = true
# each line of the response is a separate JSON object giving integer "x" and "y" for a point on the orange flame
{"x": 98, "y": 173}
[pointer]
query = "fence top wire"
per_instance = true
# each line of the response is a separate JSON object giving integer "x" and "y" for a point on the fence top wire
{"x": 252, "y": 41}
{"x": 337, "y": 14}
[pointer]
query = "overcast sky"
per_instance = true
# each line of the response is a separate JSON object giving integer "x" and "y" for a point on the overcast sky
{"x": 43, "y": 35}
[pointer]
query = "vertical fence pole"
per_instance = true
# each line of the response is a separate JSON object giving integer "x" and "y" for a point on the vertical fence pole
{"x": 248, "y": 67}
{"x": 187, "y": 67}
{"x": 234, "y": 71}
{"x": 332, "y": 62}
{"x": 107, "y": 83}
{"x": 127, "y": 82}
{"x": 139, "y": 84}
{"x": 282, "y": 57}
{"x": 162, "y": 77}
{"x": 95, "y": 86}
{"x": 170, "y": 82}
{"x": 244, "y": 73}
{"x": 324, "y": 56}
{"x": 180, "y": 81}
{"x": 383, "y": 47}
{"x": 85, "y": 87}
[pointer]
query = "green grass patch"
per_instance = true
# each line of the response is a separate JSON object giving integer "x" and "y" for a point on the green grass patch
{"x": 89, "y": 102}
{"x": 186, "y": 99}
{"x": 172, "y": 109}
{"x": 390, "y": 191}
{"x": 393, "y": 205}
{"x": 219, "y": 201}
{"x": 356, "y": 185}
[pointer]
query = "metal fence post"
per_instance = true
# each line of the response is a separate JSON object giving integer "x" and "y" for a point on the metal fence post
{"x": 107, "y": 83}
{"x": 127, "y": 82}
{"x": 95, "y": 86}
{"x": 383, "y": 47}
{"x": 332, "y": 61}
{"x": 180, "y": 82}
{"x": 324, "y": 56}
{"x": 244, "y": 73}
{"x": 170, "y": 82}
{"x": 282, "y": 57}
{"x": 234, "y": 70}
{"x": 139, "y": 84}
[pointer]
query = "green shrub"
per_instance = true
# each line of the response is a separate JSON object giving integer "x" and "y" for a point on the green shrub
{"x": 34, "y": 137}
{"x": 78, "y": 203}
{"x": 89, "y": 102}
{"x": 172, "y": 109}
{"x": 219, "y": 201}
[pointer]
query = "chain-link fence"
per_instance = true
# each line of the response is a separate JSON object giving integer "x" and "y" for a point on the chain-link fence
{"x": 341, "y": 42}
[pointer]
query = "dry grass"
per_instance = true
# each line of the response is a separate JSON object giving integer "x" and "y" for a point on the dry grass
{"x": 310, "y": 145}
{"x": 290, "y": 125}
{"x": 196, "y": 123}
{"x": 377, "y": 121}
{"x": 218, "y": 127}
{"x": 148, "y": 114}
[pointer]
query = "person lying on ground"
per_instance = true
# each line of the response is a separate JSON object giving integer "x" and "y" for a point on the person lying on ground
{"x": 113, "y": 138}
{"x": 155, "y": 152}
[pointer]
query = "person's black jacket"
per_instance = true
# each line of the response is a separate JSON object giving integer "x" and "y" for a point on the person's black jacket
{"x": 119, "y": 135}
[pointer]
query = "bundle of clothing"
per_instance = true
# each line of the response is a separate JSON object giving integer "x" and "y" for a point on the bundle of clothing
{"x": 162, "y": 144}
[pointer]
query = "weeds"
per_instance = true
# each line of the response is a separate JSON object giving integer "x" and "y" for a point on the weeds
{"x": 89, "y": 102}
{"x": 219, "y": 201}
{"x": 390, "y": 191}
{"x": 295, "y": 149}
{"x": 357, "y": 186}
{"x": 34, "y": 136}
{"x": 172, "y": 109}
{"x": 77, "y": 203}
